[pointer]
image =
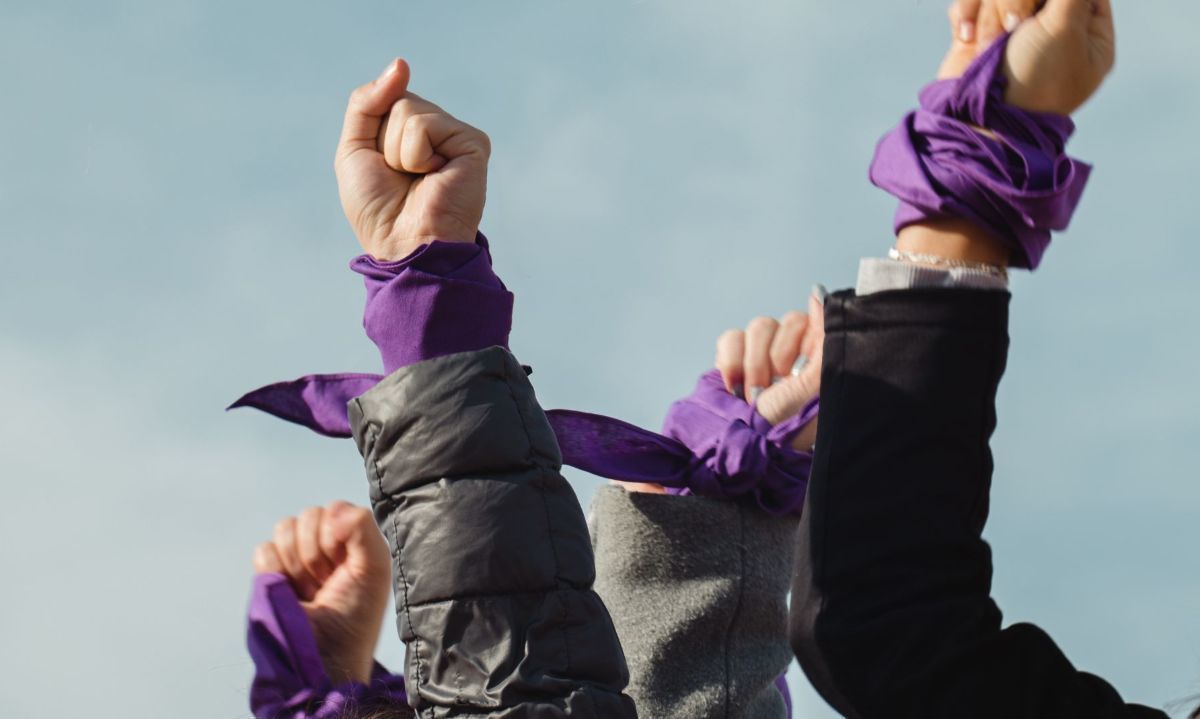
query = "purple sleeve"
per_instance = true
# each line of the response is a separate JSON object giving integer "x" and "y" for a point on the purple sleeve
{"x": 445, "y": 299}
{"x": 442, "y": 299}
{"x": 1019, "y": 185}
{"x": 289, "y": 676}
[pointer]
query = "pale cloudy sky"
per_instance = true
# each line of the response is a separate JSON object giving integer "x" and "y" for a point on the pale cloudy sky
{"x": 664, "y": 169}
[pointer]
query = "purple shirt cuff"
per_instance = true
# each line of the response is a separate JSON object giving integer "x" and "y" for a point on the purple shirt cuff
{"x": 1018, "y": 186}
{"x": 442, "y": 299}
{"x": 289, "y": 676}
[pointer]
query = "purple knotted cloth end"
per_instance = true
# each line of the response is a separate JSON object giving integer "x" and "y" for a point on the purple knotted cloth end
{"x": 445, "y": 298}
{"x": 1019, "y": 185}
{"x": 290, "y": 681}
{"x": 713, "y": 444}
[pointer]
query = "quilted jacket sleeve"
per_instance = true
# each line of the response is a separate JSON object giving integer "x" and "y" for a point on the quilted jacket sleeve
{"x": 891, "y": 612}
{"x": 492, "y": 562}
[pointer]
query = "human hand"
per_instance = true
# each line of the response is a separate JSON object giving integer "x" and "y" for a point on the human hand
{"x": 761, "y": 361}
{"x": 758, "y": 363}
{"x": 339, "y": 565}
{"x": 1059, "y": 53}
{"x": 408, "y": 173}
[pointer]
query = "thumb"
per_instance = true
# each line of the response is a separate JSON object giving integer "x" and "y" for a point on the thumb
{"x": 1064, "y": 13}
{"x": 369, "y": 104}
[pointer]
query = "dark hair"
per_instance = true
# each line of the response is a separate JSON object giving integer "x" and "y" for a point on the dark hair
{"x": 375, "y": 709}
{"x": 378, "y": 713}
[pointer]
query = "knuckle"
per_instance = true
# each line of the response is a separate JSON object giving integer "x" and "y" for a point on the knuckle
{"x": 362, "y": 516}
{"x": 358, "y": 95}
{"x": 779, "y": 358}
{"x": 283, "y": 527}
{"x": 482, "y": 139}
{"x": 795, "y": 317}
{"x": 729, "y": 337}
{"x": 762, "y": 324}
{"x": 417, "y": 122}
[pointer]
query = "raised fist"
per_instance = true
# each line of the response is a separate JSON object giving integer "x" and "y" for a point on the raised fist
{"x": 408, "y": 173}
{"x": 760, "y": 363}
{"x": 338, "y": 563}
{"x": 1059, "y": 53}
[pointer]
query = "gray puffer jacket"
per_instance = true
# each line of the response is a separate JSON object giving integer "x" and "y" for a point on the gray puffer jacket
{"x": 494, "y": 569}
{"x": 492, "y": 562}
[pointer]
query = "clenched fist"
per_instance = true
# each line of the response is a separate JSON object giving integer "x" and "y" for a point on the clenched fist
{"x": 1059, "y": 53}
{"x": 408, "y": 173}
{"x": 338, "y": 563}
{"x": 758, "y": 363}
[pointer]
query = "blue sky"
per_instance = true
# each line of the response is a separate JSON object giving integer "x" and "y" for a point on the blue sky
{"x": 170, "y": 237}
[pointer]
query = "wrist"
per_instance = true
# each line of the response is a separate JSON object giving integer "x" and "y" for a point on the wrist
{"x": 347, "y": 649}
{"x": 349, "y": 666}
{"x": 953, "y": 239}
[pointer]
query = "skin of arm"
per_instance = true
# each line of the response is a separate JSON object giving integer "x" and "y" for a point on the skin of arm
{"x": 892, "y": 614}
{"x": 1057, "y": 58}
{"x": 491, "y": 563}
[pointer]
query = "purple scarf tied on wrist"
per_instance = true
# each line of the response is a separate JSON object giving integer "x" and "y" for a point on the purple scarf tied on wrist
{"x": 445, "y": 299}
{"x": 1019, "y": 185}
{"x": 290, "y": 680}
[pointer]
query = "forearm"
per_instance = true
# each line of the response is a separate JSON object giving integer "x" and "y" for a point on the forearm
{"x": 703, "y": 621}
{"x": 492, "y": 560}
{"x": 954, "y": 239}
{"x": 891, "y": 607}
{"x": 894, "y": 575}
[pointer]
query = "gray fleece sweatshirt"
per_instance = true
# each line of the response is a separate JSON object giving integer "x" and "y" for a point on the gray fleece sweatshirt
{"x": 697, "y": 589}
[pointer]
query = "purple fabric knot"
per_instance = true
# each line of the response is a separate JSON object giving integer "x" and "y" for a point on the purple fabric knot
{"x": 738, "y": 452}
{"x": 290, "y": 681}
{"x": 1019, "y": 185}
{"x": 713, "y": 444}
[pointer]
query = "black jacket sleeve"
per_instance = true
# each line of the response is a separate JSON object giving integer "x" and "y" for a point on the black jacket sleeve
{"x": 492, "y": 562}
{"x": 891, "y": 610}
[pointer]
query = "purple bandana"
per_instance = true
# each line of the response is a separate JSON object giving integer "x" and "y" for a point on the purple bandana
{"x": 289, "y": 678}
{"x": 445, "y": 298}
{"x": 715, "y": 445}
{"x": 1018, "y": 186}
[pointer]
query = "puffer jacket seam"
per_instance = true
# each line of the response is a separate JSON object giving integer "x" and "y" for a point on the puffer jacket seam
{"x": 536, "y": 461}
{"x": 378, "y": 476}
{"x": 488, "y": 597}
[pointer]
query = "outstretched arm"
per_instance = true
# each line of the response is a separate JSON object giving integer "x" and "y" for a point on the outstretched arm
{"x": 320, "y": 593}
{"x": 491, "y": 559}
{"x": 891, "y": 608}
{"x": 698, "y": 586}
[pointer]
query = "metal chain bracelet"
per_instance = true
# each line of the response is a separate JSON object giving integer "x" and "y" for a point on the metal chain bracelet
{"x": 939, "y": 261}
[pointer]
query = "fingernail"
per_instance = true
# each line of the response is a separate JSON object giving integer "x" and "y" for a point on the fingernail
{"x": 387, "y": 71}
{"x": 754, "y": 393}
{"x": 1011, "y": 21}
{"x": 820, "y": 293}
{"x": 966, "y": 31}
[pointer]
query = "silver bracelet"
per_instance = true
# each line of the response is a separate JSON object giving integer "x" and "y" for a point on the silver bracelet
{"x": 938, "y": 260}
